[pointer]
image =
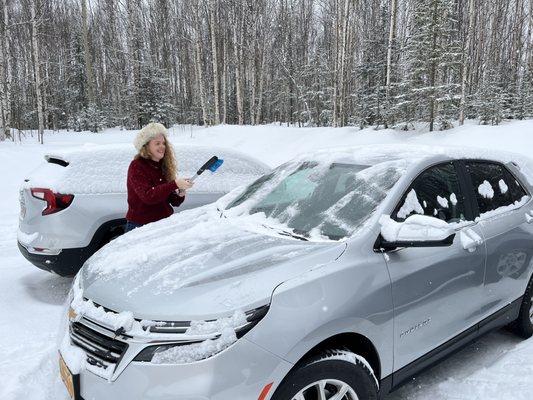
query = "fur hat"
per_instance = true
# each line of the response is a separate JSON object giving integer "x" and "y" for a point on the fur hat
{"x": 149, "y": 132}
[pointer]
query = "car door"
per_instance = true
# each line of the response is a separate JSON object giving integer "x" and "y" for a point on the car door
{"x": 436, "y": 291}
{"x": 502, "y": 203}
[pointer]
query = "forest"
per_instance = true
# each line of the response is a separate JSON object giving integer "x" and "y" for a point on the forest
{"x": 92, "y": 64}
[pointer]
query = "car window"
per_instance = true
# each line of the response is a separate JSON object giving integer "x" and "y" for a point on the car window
{"x": 435, "y": 192}
{"x": 494, "y": 185}
{"x": 320, "y": 199}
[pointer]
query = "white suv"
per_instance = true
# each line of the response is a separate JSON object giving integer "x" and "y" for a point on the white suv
{"x": 76, "y": 201}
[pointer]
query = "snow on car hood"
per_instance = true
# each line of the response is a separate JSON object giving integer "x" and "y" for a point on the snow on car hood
{"x": 198, "y": 265}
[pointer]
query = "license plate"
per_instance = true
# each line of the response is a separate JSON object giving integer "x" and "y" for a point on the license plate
{"x": 66, "y": 377}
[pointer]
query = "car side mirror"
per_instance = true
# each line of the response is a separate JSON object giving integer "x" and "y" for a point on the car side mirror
{"x": 415, "y": 231}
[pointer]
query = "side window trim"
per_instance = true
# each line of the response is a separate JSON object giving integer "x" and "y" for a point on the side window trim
{"x": 468, "y": 210}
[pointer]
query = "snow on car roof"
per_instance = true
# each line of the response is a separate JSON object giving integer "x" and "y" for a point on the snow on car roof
{"x": 103, "y": 169}
{"x": 376, "y": 154}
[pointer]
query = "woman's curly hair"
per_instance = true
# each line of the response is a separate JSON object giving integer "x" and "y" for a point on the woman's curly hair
{"x": 168, "y": 163}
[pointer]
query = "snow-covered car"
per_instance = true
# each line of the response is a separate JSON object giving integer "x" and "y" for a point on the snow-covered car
{"x": 76, "y": 201}
{"x": 339, "y": 275}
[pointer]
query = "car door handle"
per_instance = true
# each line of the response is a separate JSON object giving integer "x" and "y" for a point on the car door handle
{"x": 529, "y": 217}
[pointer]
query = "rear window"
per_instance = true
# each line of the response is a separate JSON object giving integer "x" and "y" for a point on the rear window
{"x": 494, "y": 185}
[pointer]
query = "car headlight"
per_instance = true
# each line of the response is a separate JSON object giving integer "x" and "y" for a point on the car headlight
{"x": 203, "y": 342}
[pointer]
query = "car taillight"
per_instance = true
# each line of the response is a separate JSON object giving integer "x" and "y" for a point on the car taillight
{"x": 54, "y": 201}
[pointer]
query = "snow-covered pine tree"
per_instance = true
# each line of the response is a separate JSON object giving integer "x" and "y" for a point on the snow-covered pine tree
{"x": 371, "y": 71}
{"x": 433, "y": 59}
{"x": 489, "y": 100}
{"x": 155, "y": 103}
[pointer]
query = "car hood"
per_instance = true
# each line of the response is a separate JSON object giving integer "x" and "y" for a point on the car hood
{"x": 198, "y": 265}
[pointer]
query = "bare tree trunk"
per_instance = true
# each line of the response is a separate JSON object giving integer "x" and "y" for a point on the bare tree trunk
{"x": 133, "y": 59}
{"x": 87, "y": 54}
{"x": 392, "y": 34}
{"x": 258, "y": 115}
{"x": 336, "y": 66}
{"x": 346, "y": 17}
{"x": 237, "y": 45}
{"x": 37, "y": 71}
{"x": 6, "y": 78}
{"x": 198, "y": 68}
{"x": 466, "y": 60}
{"x": 433, "y": 69}
{"x": 214, "y": 59}
{"x": 224, "y": 79}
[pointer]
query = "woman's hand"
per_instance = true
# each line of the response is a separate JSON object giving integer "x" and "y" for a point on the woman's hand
{"x": 184, "y": 184}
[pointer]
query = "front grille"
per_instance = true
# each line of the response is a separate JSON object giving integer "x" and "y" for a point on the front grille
{"x": 98, "y": 347}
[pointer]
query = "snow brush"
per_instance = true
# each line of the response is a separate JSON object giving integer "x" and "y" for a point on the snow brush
{"x": 212, "y": 165}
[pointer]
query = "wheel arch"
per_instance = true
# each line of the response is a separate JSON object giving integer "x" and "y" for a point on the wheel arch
{"x": 352, "y": 341}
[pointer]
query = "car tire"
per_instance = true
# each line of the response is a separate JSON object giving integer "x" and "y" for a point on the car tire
{"x": 523, "y": 325}
{"x": 330, "y": 372}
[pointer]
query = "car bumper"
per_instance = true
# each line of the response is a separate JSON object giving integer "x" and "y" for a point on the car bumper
{"x": 239, "y": 372}
{"x": 66, "y": 262}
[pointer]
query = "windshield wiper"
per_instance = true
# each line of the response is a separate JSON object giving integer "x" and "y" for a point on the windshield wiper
{"x": 287, "y": 233}
{"x": 221, "y": 213}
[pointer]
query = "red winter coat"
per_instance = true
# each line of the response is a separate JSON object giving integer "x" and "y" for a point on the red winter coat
{"x": 149, "y": 195}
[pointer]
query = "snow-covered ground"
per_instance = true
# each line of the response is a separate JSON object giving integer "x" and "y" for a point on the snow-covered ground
{"x": 497, "y": 366}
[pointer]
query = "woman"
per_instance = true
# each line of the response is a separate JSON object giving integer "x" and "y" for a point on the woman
{"x": 152, "y": 183}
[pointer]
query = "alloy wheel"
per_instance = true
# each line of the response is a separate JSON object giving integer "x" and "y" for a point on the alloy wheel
{"x": 326, "y": 389}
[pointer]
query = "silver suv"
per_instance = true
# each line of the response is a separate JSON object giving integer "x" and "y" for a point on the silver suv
{"x": 76, "y": 201}
{"x": 337, "y": 276}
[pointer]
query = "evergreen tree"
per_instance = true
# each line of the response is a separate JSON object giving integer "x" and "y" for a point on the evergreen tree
{"x": 433, "y": 58}
{"x": 155, "y": 103}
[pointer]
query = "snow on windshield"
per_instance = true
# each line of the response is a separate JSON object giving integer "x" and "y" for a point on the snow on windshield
{"x": 320, "y": 198}
{"x": 103, "y": 169}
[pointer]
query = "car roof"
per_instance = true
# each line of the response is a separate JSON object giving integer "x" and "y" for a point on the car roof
{"x": 103, "y": 169}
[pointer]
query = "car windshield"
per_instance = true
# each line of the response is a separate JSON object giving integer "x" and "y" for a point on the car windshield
{"x": 320, "y": 199}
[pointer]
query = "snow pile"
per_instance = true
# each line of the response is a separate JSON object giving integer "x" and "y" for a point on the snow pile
{"x": 238, "y": 319}
{"x": 73, "y": 356}
{"x": 414, "y": 228}
{"x": 86, "y": 308}
{"x": 486, "y": 190}
{"x": 470, "y": 240}
{"x": 503, "y": 186}
{"x": 410, "y": 205}
{"x": 443, "y": 202}
{"x": 225, "y": 327}
{"x": 453, "y": 199}
{"x": 103, "y": 169}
